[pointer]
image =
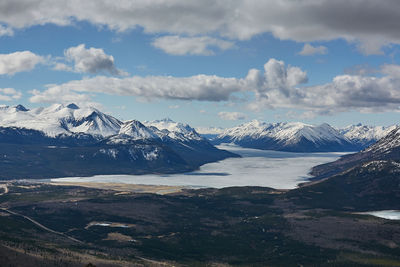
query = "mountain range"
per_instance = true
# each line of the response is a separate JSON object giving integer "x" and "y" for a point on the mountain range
{"x": 301, "y": 137}
{"x": 66, "y": 140}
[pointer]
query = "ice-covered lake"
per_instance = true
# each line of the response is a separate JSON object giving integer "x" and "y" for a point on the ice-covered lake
{"x": 281, "y": 170}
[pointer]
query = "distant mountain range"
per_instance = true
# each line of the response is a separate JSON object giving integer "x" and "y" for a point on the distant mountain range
{"x": 299, "y": 137}
{"x": 66, "y": 140}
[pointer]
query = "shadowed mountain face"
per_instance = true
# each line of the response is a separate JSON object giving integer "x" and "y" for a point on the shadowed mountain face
{"x": 374, "y": 185}
{"x": 61, "y": 141}
{"x": 367, "y": 180}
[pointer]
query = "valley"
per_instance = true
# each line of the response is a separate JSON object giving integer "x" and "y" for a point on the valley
{"x": 229, "y": 226}
{"x": 190, "y": 133}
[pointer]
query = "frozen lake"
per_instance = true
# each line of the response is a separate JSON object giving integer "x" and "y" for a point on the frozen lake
{"x": 281, "y": 170}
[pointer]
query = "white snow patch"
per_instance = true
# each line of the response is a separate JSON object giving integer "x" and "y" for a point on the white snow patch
{"x": 386, "y": 214}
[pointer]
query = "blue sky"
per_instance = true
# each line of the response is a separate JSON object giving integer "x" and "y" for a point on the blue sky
{"x": 206, "y": 63}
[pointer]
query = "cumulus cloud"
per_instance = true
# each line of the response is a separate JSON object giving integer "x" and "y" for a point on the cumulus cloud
{"x": 343, "y": 93}
{"x": 365, "y": 22}
{"x": 232, "y": 116}
{"x": 309, "y": 50}
{"x": 176, "y": 45}
{"x": 276, "y": 77}
{"x": 277, "y": 86}
{"x": 18, "y": 62}
{"x": 9, "y": 94}
{"x": 89, "y": 60}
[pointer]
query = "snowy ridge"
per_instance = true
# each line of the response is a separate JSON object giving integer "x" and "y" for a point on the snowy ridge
{"x": 174, "y": 130}
{"x": 136, "y": 130}
{"x": 60, "y": 119}
{"x": 301, "y": 137}
{"x": 386, "y": 144}
{"x": 65, "y": 120}
{"x": 290, "y": 132}
{"x": 366, "y": 134}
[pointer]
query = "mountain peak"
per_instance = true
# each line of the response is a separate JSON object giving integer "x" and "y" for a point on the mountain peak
{"x": 136, "y": 130}
{"x": 21, "y": 108}
{"x": 72, "y": 106}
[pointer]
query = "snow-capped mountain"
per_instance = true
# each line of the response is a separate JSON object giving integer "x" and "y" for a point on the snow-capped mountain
{"x": 184, "y": 140}
{"x": 365, "y": 135}
{"x": 390, "y": 144}
{"x": 60, "y": 119}
{"x": 66, "y": 140}
{"x": 174, "y": 130}
{"x": 291, "y": 136}
{"x": 136, "y": 130}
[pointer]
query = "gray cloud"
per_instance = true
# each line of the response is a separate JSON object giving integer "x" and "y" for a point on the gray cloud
{"x": 368, "y": 23}
{"x": 309, "y": 50}
{"x": 89, "y": 60}
{"x": 204, "y": 45}
{"x": 232, "y": 116}
{"x": 18, "y": 62}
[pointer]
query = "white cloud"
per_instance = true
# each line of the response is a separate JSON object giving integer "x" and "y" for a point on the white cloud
{"x": 9, "y": 94}
{"x": 199, "y": 87}
{"x": 363, "y": 21}
{"x": 279, "y": 86}
{"x": 176, "y": 45}
{"x": 58, "y": 95}
{"x": 391, "y": 70}
{"x": 343, "y": 93}
{"x": 89, "y": 60}
{"x": 232, "y": 116}
{"x": 18, "y": 62}
{"x": 62, "y": 67}
{"x": 309, "y": 50}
